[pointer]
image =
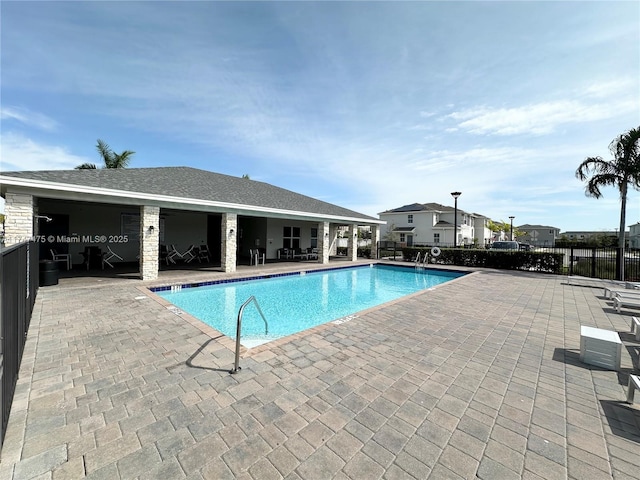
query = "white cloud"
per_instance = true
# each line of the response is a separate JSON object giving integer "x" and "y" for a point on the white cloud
{"x": 598, "y": 101}
{"x": 21, "y": 153}
{"x": 27, "y": 117}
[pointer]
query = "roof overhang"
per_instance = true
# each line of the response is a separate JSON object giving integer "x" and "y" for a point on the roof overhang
{"x": 64, "y": 191}
{"x": 404, "y": 230}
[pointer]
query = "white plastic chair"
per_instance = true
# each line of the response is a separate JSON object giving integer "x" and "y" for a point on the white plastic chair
{"x": 109, "y": 255}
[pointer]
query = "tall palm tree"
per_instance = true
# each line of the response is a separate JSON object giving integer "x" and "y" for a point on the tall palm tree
{"x": 622, "y": 172}
{"x": 110, "y": 158}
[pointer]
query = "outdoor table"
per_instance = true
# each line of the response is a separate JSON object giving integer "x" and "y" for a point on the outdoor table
{"x": 600, "y": 347}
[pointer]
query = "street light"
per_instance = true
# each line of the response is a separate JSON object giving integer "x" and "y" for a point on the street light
{"x": 455, "y": 196}
{"x": 511, "y": 218}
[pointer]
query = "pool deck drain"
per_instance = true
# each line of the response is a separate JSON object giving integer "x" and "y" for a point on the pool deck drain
{"x": 478, "y": 378}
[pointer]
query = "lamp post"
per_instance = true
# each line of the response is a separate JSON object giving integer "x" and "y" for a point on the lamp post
{"x": 455, "y": 196}
{"x": 511, "y": 218}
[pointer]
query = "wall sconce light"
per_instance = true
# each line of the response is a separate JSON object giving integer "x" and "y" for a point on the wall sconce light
{"x": 151, "y": 228}
{"x": 326, "y": 234}
{"x": 355, "y": 235}
{"x": 231, "y": 231}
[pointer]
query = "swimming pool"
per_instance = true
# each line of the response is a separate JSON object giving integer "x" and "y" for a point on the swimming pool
{"x": 295, "y": 302}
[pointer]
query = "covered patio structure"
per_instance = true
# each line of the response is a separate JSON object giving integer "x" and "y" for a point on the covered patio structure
{"x": 137, "y": 213}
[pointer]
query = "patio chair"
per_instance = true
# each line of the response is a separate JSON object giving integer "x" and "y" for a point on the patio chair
{"x": 254, "y": 257}
{"x": 164, "y": 255}
{"x": 61, "y": 257}
{"x": 110, "y": 255}
{"x": 191, "y": 254}
{"x": 173, "y": 253}
{"x": 297, "y": 253}
{"x": 203, "y": 253}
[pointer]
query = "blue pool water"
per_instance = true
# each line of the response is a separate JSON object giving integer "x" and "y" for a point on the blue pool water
{"x": 293, "y": 303}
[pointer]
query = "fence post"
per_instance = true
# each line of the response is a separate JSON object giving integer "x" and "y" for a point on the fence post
{"x": 571, "y": 261}
{"x": 593, "y": 262}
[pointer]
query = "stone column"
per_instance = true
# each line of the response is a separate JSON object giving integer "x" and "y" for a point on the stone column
{"x": 352, "y": 243}
{"x": 19, "y": 210}
{"x": 229, "y": 241}
{"x": 149, "y": 242}
{"x": 324, "y": 242}
{"x": 375, "y": 238}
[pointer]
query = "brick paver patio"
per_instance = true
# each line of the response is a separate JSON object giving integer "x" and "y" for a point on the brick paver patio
{"x": 478, "y": 378}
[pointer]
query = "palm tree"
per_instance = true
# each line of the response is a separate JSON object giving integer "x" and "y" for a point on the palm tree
{"x": 110, "y": 158}
{"x": 622, "y": 172}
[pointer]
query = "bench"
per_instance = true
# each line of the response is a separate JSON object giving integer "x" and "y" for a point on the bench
{"x": 634, "y": 384}
{"x": 600, "y": 347}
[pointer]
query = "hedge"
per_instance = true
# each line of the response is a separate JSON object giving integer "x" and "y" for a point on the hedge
{"x": 546, "y": 262}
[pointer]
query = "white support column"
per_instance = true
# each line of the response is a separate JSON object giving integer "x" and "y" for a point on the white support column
{"x": 375, "y": 238}
{"x": 229, "y": 243}
{"x": 324, "y": 242}
{"x": 149, "y": 242}
{"x": 19, "y": 210}
{"x": 352, "y": 243}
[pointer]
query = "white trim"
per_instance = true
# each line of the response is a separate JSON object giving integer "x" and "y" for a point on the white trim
{"x": 173, "y": 202}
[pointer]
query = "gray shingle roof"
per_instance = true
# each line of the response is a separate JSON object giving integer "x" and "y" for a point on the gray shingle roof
{"x": 191, "y": 183}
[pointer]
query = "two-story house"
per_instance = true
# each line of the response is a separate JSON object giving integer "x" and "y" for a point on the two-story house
{"x": 539, "y": 235}
{"x": 433, "y": 224}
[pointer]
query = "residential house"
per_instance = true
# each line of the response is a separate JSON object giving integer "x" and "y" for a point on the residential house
{"x": 135, "y": 211}
{"x": 433, "y": 224}
{"x": 592, "y": 236}
{"x": 538, "y": 235}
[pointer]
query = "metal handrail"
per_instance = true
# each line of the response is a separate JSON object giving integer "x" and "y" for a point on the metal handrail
{"x": 236, "y": 366}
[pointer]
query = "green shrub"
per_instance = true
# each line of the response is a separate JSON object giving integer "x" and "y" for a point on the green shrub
{"x": 506, "y": 260}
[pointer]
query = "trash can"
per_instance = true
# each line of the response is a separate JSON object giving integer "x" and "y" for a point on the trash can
{"x": 48, "y": 273}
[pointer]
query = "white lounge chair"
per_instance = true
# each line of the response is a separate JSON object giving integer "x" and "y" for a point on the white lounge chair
{"x": 611, "y": 290}
{"x": 634, "y": 384}
{"x": 110, "y": 255}
{"x": 635, "y": 327}
{"x": 625, "y": 300}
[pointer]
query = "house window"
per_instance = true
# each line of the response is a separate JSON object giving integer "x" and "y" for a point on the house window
{"x": 402, "y": 238}
{"x": 410, "y": 218}
{"x": 436, "y": 238}
{"x": 314, "y": 238}
{"x": 291, "y": 237}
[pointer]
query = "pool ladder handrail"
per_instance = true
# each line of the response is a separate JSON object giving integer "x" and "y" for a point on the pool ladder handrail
{"x": 253, "y": 299}
{"x": 417, "y": 264}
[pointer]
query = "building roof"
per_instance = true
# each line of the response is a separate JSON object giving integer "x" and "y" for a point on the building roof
{"x": 425, "y": 207}
{"x": 526, "y": 226}
{"x": 178, "y": 185}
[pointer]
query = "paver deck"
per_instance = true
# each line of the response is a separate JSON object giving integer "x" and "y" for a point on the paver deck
{"x": 477, "y": 378}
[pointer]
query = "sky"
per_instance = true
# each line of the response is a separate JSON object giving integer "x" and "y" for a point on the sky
{"x": 367, "y": 105}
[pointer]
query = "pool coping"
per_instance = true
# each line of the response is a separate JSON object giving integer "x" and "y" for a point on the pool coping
{"x": 261, "y": 350}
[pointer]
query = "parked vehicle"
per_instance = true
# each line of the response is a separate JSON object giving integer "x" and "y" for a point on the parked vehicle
{"x": 510, "y": 245}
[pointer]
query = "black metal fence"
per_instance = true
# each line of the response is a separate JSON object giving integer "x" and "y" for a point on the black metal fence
{"x": 594, "y": 262}
{"x": 18, "y": 288}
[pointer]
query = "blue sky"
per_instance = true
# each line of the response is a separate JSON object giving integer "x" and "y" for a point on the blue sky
{"x": 369, "y": 105}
